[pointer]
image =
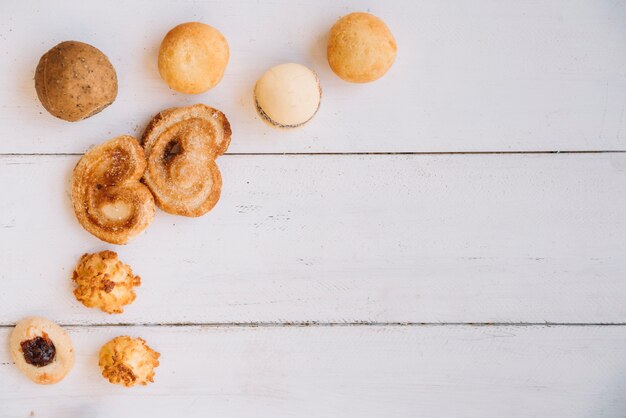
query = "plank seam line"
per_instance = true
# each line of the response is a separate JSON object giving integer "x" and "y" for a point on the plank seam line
{"x": 339, "y": 324}
{"x": 76, "y": 154}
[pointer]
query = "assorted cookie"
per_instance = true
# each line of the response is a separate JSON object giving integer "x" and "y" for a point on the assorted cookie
{"x": 128, "y": 362}
{"x": 41, "y": 350}
{"x": 288, "y": 95}
{"x": 108, "y": 198}
{"x": 75, "y": 80}
{"x": 102, "y": 281}
{"x": 181, "y": 146}
{"x": 115, "y": 186}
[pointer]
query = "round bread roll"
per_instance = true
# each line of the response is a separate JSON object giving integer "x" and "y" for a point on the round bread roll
{"x": 75, "y": 80}
{"x": 193, "y": 57}
{"x": 42, "y": 350}
{"x": 360, "y": 48}
{"x": 288, "y": 95}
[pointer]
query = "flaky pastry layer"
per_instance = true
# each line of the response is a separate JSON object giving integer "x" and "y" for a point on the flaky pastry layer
{"x": 108, "y": 198}
{"x": 181, "y": 145}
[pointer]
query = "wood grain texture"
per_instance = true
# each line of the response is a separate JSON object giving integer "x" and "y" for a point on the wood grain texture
{"x": 343, "y": 238}
{"x": 418, "y": 238}
{"x": 340, "y": 372}
{"x": 488, "y": 76}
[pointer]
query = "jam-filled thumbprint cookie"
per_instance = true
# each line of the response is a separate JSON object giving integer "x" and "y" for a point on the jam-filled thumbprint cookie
{"x": 41, "y": 350}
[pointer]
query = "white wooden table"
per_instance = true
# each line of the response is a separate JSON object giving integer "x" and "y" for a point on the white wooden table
{"x": 449, "y": 241}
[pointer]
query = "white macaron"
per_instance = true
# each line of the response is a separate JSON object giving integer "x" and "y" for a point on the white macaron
{"x": 288, "y": 95}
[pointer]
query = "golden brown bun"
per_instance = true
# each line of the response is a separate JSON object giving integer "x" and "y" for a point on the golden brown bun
{"x": 360, "y": 48}
{"x": 128, "y": 362}
{"x": 181, "y": 145}
{"x": 74, "y": 81}
{"x": 193, "y": 57}
{"x": 108, "y": 198}
{"x": 104, "y": 282}
{"x": 42, "y": 350}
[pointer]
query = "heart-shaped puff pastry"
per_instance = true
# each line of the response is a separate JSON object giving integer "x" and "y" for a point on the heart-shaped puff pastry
{"x": 108, "y": 198}
{"x": 181, "y": 146}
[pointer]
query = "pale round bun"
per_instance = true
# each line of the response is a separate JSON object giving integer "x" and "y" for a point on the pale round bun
{"x": 75, "y": 80}
{"x": 360, "y": 48}
{"x": 288, "y": 95}
{"x": 42, "y": 350}
{"x": 193, "y": 57}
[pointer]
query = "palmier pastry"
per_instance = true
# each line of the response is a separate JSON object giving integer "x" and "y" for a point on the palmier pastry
{"x": 181, "y": 145}
{"x": 108, "y": 198}
{"x": 128, "y": 362}
{"x": 42, "y": 350}
{"x": 103, "y": 281}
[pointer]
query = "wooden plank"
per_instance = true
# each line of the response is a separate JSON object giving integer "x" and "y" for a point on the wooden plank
{"x": 440, "y": 371}
{"x": 417, "y": 238}
{"x": 487, "y": 76}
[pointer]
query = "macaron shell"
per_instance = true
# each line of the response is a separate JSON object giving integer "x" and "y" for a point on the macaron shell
{"x": 288, "y": 94}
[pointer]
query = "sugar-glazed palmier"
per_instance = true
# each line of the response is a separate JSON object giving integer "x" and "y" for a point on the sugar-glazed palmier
{"x": 181, "y": 146}
{"x": 128, "y": 362}
{"x": 108, "y": 198}
{"x": 103, "y": 281}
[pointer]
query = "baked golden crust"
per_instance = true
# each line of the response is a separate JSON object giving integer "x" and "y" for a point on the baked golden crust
{"x": 360, "y": 48}
{"x": 104, "y": 282}
{"x": 41, "y": 350}
{"x": 181, "y": 146}
{"x": 193, "y": 57}
{"x": 108, "y": 198}
{"x": 75, "y": 80}
{"x": 128, "y": 362}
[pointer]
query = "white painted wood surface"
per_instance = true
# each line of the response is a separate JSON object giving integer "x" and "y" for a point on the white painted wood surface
{"x": 406, "y": 238}
{"x": 385, "y": 241}
{"x": 483, "y": 76}
{"x": 343, "y": 372}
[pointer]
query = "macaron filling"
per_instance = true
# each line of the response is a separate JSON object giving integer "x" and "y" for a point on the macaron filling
{"x": 280, "y": 125}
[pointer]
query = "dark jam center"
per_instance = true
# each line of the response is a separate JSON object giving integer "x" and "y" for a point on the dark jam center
{"x": 39, "y": 351}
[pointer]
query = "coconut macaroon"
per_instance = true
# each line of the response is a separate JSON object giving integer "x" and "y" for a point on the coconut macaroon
{"x": 361, "y": 48}
{"x": 75, "y": 80}
{"x": 41, "y": 350}
{"x": 288, "y": 95}
{"x": 128, "y": 362}
{"x": 104, "y": 282}
{"x": 193, "y": 57}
